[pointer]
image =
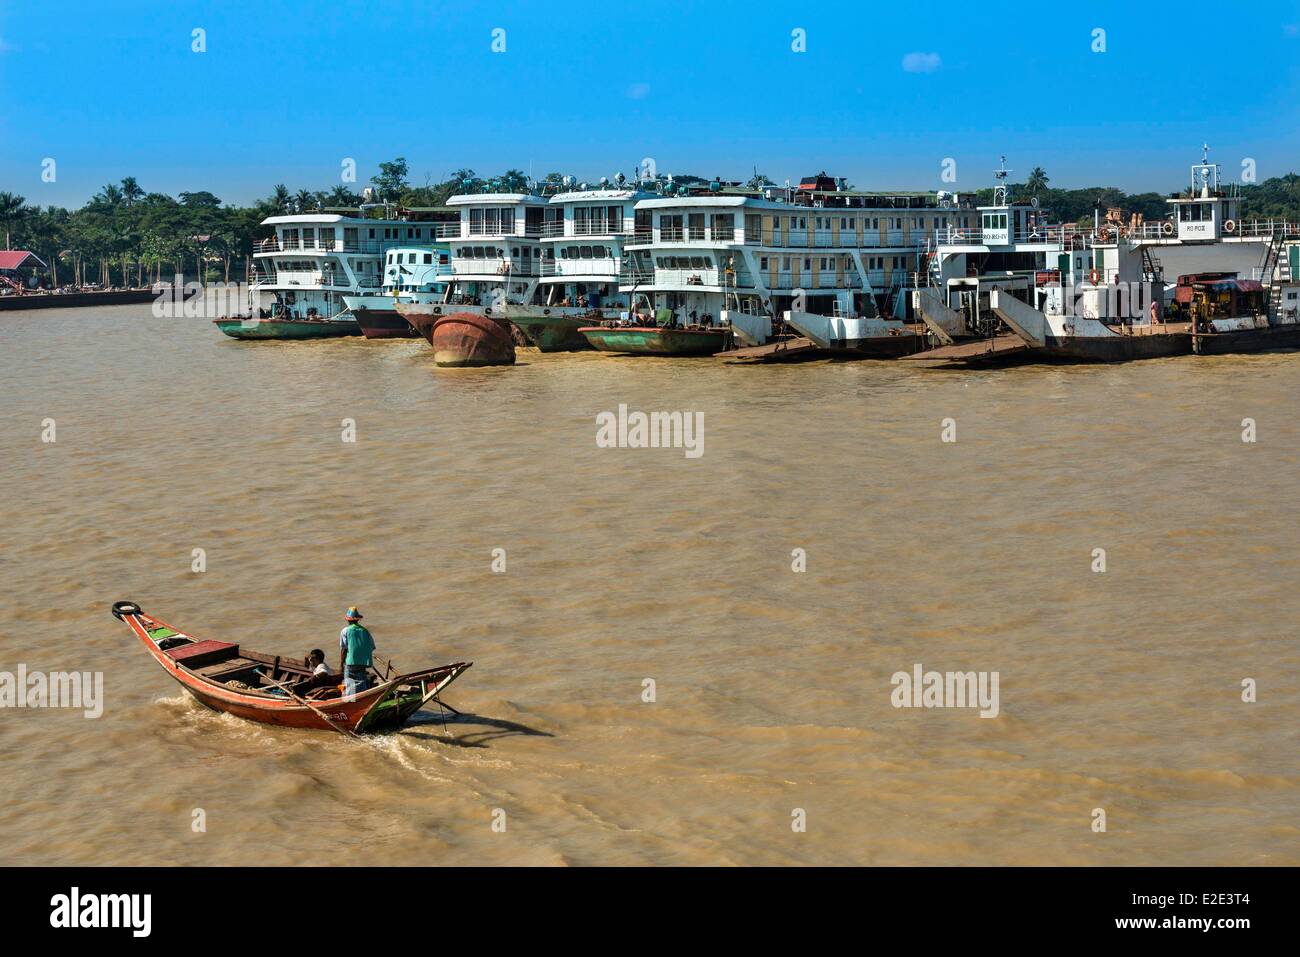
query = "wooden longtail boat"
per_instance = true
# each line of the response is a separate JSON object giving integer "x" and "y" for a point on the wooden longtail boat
{"x": 277, "y": 690}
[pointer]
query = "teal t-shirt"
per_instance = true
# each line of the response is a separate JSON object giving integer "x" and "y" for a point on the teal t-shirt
{"x": 358, "y": 644}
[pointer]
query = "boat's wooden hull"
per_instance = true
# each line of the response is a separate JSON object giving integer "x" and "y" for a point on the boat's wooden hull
{"x": 656, "y": 340}
{"x": 381, "y": 707}
{"x": 238, "y": 328}
{"x": 383, "y": 324}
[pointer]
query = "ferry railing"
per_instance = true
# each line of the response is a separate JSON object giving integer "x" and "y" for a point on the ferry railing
{"x": 577, "y": 267}
{"x": 836, "y": 239}
{"x": 557, "y": 230}
{"x": 482, "y": 231}
{"x": 274, "y": 245}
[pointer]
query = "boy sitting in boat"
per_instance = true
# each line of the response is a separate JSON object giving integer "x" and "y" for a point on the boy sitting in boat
{"x": 356, "y": 648}
{"x": 316, "y": 662}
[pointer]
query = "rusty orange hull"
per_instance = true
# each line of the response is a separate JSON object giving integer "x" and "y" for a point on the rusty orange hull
{"x": 466, "y": 339}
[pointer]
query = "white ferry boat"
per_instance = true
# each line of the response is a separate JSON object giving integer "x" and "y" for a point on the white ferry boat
{"x": 302, "y": 272}
{"x": 831, "y": 262}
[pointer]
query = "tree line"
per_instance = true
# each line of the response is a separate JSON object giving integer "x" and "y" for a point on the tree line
{"x": 125, "y": 236}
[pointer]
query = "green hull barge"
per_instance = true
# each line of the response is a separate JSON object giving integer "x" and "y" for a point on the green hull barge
{"x": 238, "y": 328}
{"x": 656, "y": 340}
{"x": 554, "y": 333}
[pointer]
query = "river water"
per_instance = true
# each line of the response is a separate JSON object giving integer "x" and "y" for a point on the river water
{"x": 771, "y": 738}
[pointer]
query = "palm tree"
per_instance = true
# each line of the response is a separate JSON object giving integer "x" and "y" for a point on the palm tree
{"x": 13, "y": 210}
{"x": 513, "y": 181}
{"x": 110, "y": 195}
{"x": 1037, "y": 182}
{"x": 341, "y": 196}
{"x": 280, "y": 196}
{"x": 131, "y": 190}
{"x": 304, "y": 199}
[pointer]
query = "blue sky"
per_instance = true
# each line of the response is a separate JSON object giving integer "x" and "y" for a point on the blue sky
{"x": 286, "y": 90}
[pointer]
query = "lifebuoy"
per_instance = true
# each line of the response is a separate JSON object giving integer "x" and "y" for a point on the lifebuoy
{"x": 1229, "y": 226}
{"x": 1094, "y": 276}
{"x": 1167, "y": 229}
{"x": 1104, "y": 234}
{"x": 121, "y": 608}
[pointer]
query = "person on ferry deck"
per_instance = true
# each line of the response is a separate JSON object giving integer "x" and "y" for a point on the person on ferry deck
{"x": 356, "y": 651}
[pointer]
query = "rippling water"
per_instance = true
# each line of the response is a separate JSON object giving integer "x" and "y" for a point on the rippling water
{"x": 1119, "y": 690}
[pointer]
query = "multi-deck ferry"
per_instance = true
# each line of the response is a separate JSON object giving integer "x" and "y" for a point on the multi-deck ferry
{"x": 821, "y": 260}
{"x": 549, "y": 265}
{"x": 313, "y": 260}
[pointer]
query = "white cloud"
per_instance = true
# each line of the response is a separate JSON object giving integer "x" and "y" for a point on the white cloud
{"x": 921, "y": 62}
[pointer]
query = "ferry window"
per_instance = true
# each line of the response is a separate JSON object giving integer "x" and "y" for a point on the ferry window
{"x": 444, "y": 258}
{"x": 697, "y": 262}
{"x": 659, "y": 261}
{"x": 600, "y": 252}
{"x": 514, "y": 252}
{"x": 410, "y": 259}
{"x": 785, "y": 263}
{"x": 573, "y": 252}
{"x": 491, "y": 220}
{"x": 807, "y": 262}
{"x": 475, "y": 222}
{"x": 614, "y": 218}
{"x": 584, "y": 252}
{"x": 428, "y": 259}
{"x": 762, "y": 262}
{"x": 372, "y": 234}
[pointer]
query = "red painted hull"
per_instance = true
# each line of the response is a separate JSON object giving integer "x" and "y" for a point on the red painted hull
{"x": 383, "y": 324}
{"x": 467, "y": 339}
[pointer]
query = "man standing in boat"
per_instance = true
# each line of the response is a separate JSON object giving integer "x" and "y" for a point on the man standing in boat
{"x": 356, "y": 648}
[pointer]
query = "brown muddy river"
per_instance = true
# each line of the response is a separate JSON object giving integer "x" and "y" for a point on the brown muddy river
{"x": 1118, "y": 690}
